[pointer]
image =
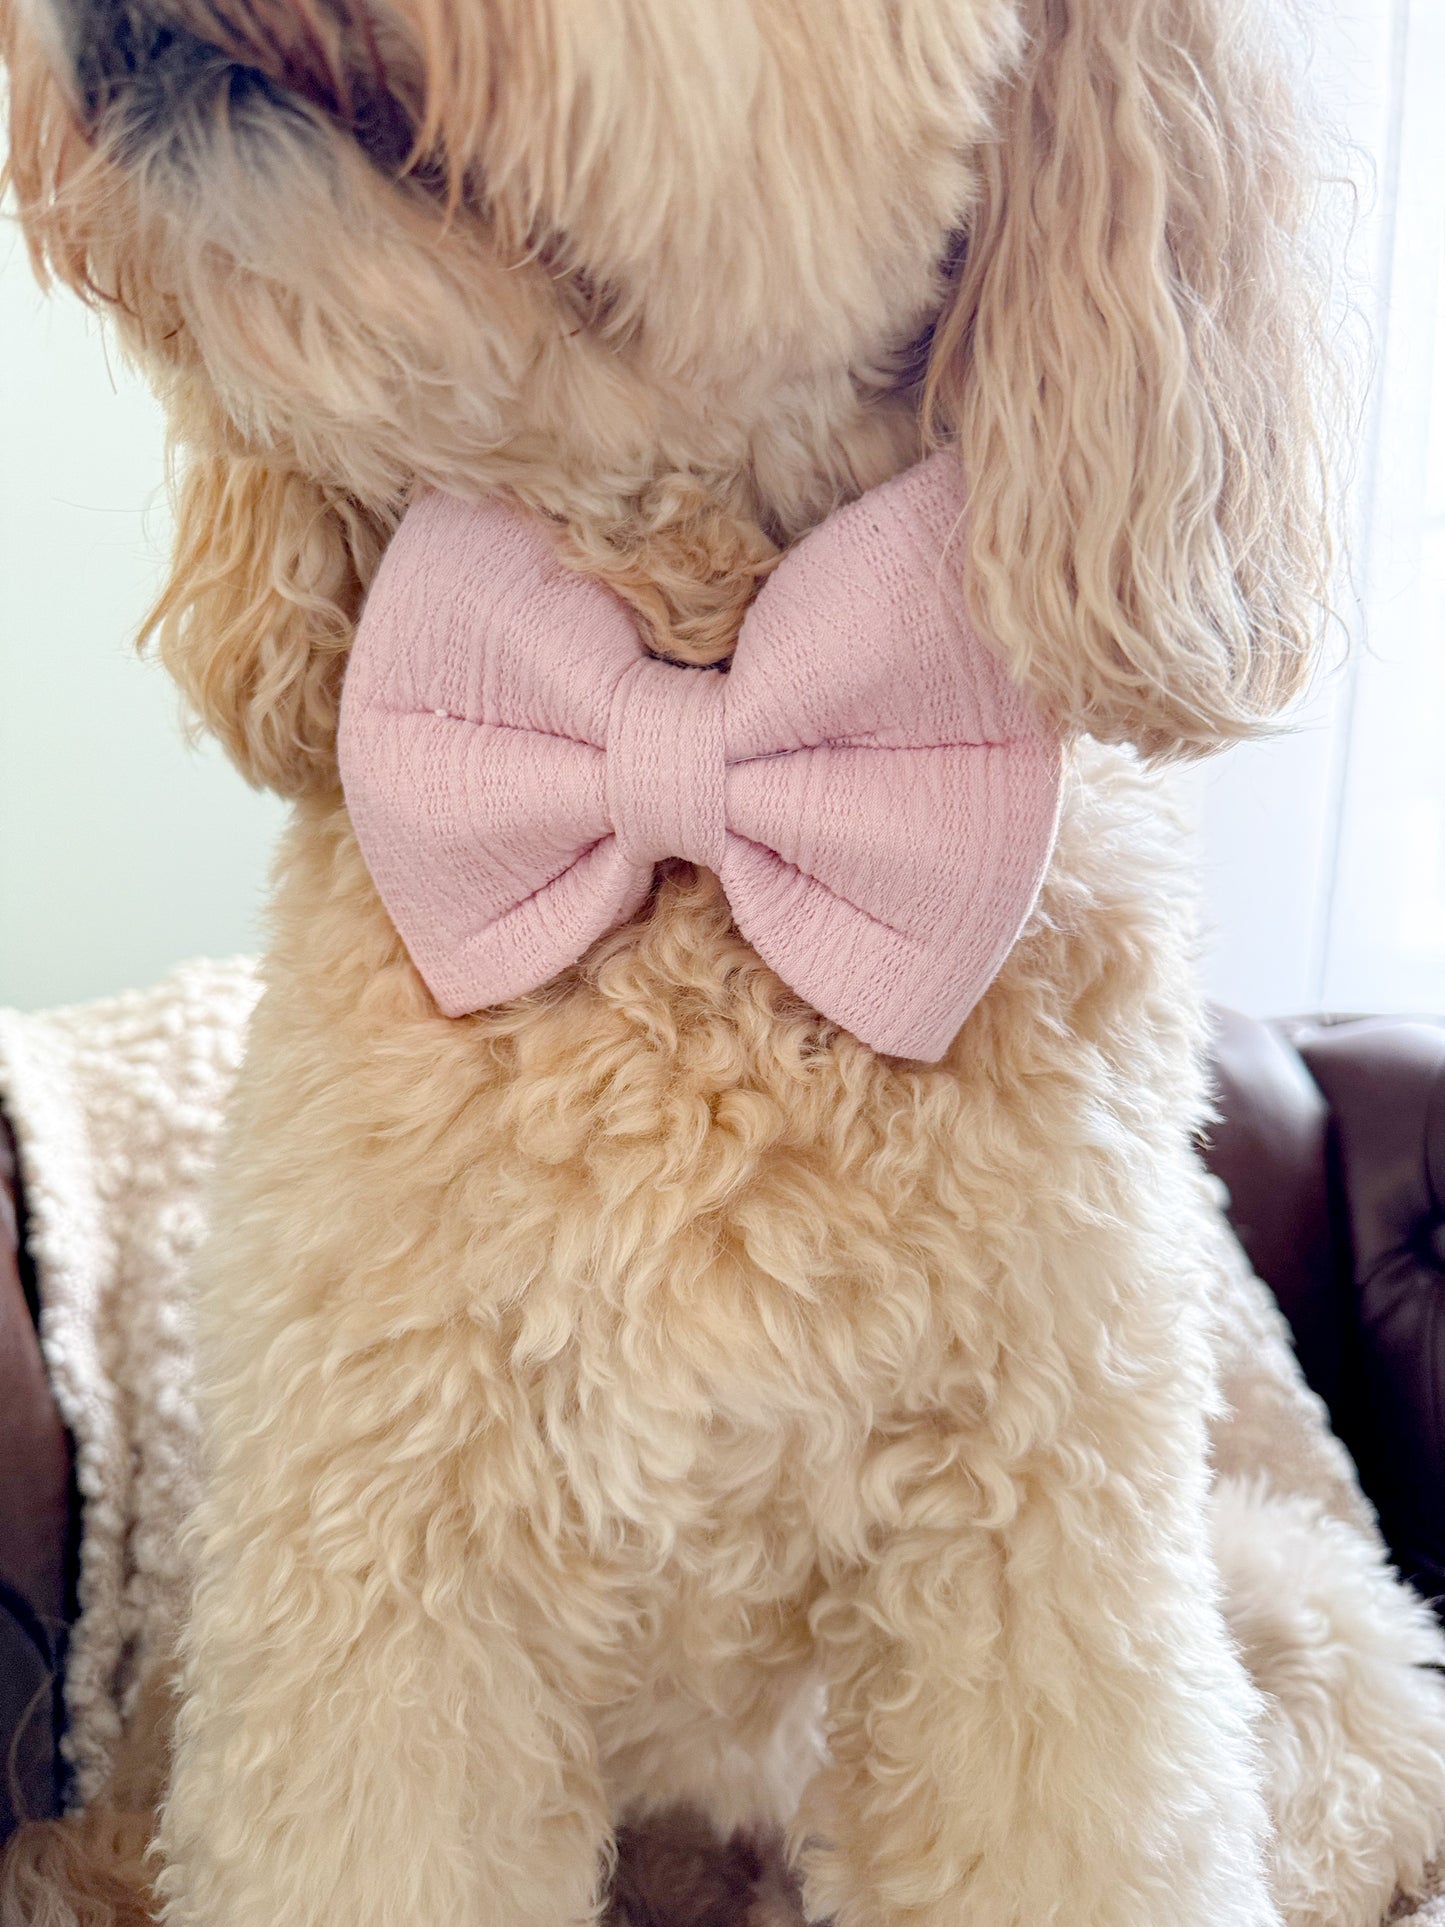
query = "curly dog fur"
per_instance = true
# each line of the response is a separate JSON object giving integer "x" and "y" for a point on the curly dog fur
{"x": 600, "y": 1386}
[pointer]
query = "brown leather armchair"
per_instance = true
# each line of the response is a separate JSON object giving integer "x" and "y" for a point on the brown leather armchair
{"x": 1332, "y": 1141}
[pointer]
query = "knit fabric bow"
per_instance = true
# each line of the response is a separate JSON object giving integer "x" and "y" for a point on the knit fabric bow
{"x": 876, "y": 796}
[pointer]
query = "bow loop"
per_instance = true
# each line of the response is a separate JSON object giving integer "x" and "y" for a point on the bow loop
{"x": 665, "y": 770}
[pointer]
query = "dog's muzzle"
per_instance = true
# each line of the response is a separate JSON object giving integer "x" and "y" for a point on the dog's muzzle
{"x": 135, "y": 72}
{"x": 141, "y": 72}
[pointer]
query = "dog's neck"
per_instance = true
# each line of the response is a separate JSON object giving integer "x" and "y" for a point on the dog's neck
{"x": 689, "y": 558}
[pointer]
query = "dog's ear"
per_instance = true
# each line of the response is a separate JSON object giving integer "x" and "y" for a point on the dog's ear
{"x": 1127, "y": 360}
{"x": 267, "y": 581}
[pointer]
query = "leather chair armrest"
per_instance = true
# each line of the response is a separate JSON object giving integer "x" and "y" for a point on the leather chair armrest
{"x": 1384, "y": 1082}
{"x": 1271, "y": 1148}
{"x": 1331, "y": 1139}
{"x": 35, "y": 1529}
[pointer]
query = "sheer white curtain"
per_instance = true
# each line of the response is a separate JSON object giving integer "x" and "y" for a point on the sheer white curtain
{"x": 1324, "y": 851}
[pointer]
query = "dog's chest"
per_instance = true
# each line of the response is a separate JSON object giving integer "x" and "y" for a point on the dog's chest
{"x": 720, "y": 1280}
{"x": 721, "y": 1406}
{"x": 706, "y": 1457}
{"x": 728, "y": 1359}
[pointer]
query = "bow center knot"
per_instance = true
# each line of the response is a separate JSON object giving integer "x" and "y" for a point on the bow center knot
{"x": 665, "y": 764}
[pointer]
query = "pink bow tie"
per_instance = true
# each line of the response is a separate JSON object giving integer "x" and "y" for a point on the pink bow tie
{"x": 877, "y": 798}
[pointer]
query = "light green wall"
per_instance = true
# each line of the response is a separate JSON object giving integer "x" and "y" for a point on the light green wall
{"x": 121, "y": 850}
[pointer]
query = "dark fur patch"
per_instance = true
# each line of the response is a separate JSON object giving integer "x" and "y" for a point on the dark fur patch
{"x": 674, "y": 1871}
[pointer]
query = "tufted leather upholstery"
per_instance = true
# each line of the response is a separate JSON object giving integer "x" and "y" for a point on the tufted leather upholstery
{"x": 1332, "y": 1142}
{"x": 1331, "y": 1138}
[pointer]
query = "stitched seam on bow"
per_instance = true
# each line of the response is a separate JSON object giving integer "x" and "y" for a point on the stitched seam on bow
{"x": 797, "y": 869}
{"x": 515, "y": 729}
{"x": 849, "y": 742}
{"x": 733, "y": 762}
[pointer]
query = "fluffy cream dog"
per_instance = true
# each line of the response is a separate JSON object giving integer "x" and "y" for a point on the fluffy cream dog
{"x": 593, "y": 1381}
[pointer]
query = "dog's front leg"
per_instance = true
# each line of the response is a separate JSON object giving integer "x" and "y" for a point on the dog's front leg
{"x": 1035, "y": 1713}
{"x": 364, "y": 1738}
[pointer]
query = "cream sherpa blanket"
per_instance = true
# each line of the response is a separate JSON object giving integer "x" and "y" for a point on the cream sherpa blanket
{"x": 118, "y": 1107}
